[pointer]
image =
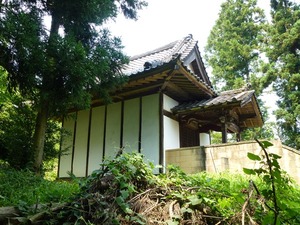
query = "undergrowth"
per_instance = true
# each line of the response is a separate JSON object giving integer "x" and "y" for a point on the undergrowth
{"x": 23, "y": 188}
{"x": 125, "y": 191}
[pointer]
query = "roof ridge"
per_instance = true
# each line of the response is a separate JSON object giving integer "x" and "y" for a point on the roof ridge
{"x": 151, "y": 52}
{"x": 175, "y": 46}
{"x": 235, "y": 91}
{"x": 178, "y": 50}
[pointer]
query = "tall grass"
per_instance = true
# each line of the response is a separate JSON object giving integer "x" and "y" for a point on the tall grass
{"x": 23, "y": 187}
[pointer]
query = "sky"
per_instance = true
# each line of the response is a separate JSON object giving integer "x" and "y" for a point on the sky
{"x": 165, "y": 21}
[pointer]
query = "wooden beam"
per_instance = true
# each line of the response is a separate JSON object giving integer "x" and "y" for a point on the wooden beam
{"x": 233, "y": 127}
{"x": 175, "y": 88}
{"x": 244, "y": 117}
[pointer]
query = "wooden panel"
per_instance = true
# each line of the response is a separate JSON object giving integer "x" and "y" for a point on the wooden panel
{"x": 150, "y": 128}
{"x": 81, "y": 142}
{"x": 65, "y": 160}
{"x": 131, "y": 124}
{"x": 188, "y": 137}
{"x": 96, "y": 138}
{"x": 113, "y": 129}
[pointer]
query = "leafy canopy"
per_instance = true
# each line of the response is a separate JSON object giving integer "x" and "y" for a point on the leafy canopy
{"x": 282, "y": 71}
{"x": 65, "y": 66}
{"x": 233, "y": 45}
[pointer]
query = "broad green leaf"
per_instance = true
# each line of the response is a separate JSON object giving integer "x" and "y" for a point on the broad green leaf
{"x": 249, "y": 171}
{"x": 120, "y": 201}
{"x": 266, "y": 144}
{"x": 253, "y": 156}
{"x": 124, "y": 194}
{"x": 186, "y": 210}
{"x": 194, "y": 200}
{"x": 208, "y": 200}
{"x": 275, "y": 156}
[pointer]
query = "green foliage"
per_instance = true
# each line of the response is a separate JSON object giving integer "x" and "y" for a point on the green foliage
{"x": 22, "y": 188}
{"x": 17, "y": 123}
{"x": 277, "y": 193}
{"x": 125, "y": 191}
{"x": 233, "y": 45}
{"x": 282, "y": 45}
{"x": 109, "y": 189}
{"x": 62, "y": 69}
{"x": 65, "y": 66}
{"x": 234, "y": 50}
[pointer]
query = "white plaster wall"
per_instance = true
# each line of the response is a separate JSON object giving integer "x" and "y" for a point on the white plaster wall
{"x": 131, "y": 124}
{"x": 67, "y": 145}
{"x": 113, "y": 129}
{"x": 96, "y": 138}
{"x": 171, "y": 133}
{"x": 81, "y": 140}
{"x": 204, "y": 139}
{"x": 150, "y": 128}
{"x": 169, "y": 103}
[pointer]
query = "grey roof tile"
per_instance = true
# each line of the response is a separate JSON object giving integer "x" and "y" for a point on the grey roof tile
{"x": 161, "y": 55}
{"x": 239, "y": 95}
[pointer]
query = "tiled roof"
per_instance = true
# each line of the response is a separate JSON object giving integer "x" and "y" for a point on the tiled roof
{"x": 240, "y": 96}
{"x": 160, "y": 56}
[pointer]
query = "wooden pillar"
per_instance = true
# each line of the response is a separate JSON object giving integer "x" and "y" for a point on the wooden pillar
{"x": 223, "y": 128}
{"x": 238, "y": 137}
{"x": 224, "y": 132}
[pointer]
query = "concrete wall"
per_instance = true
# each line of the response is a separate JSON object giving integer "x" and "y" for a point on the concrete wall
{"x": 190, "y": 159}
{"x": 232, "y": 157}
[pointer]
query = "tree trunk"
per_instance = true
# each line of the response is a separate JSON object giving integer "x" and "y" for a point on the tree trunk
{"x": 39, "y": 137}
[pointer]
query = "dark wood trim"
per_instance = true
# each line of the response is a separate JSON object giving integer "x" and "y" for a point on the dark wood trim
{"x": 118, "y": 98}
{"x": 170, "y": 115}
{"x": 104, "y": 132}
{"x": 122, "y": 125}
{"x": 60, "y": 146}
{"x": 138, "y": 91}
{"x": 140, "y": 125}
{"x": 88, "y": 144}
{"x": 213, "y": 108}
{"x": 74, "y": 139}
{"x": 244, "y": 117}
{"x": 161, "y": 132}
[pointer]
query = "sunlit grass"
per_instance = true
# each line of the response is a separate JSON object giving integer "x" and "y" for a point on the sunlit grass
{"x": 17, "y": 187}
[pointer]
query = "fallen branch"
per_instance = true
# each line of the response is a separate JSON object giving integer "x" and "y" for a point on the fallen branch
{"x": 246, "y": 203}
{"x": 39, "y": 216}
{"x": 8, "y": 212}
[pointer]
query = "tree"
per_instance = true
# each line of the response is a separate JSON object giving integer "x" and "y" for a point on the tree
{"x": 65, "y": 66}
{"x": 233, "y": 51}
{"x": 282, "y": 69}
{"x": 16, "y": 142}
{"x": 233, "y": 45}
